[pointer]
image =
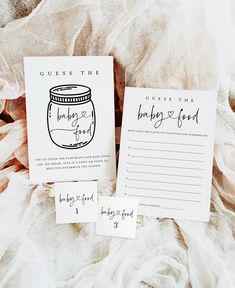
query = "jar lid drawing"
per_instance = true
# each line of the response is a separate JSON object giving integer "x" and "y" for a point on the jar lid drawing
{"x": 71, "y": 118}
{"x": 70, "y": 93}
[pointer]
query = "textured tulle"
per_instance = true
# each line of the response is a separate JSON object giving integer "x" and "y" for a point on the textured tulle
{"x": 159, "y": 44}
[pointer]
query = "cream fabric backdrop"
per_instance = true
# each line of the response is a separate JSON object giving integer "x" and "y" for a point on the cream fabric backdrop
{"x": 165, "y": 44}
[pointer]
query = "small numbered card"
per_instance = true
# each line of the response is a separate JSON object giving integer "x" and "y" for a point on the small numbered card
{"x": 76, "y": 202}
{"x": 116, "y": 217}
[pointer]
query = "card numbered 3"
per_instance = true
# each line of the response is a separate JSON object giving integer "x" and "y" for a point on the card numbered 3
{"x": 116, "y": 217}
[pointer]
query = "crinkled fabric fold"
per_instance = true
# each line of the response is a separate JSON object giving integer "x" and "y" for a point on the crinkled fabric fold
{"x": 159, "y": 44}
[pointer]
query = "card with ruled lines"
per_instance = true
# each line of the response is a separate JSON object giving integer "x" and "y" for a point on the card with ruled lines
{"x": 166, "y": 152}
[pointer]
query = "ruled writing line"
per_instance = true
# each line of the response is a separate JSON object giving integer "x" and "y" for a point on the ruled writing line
{"x": 165, "y": 198}
{"x": 171, "y": 143}
{"x": 164, "y": 174}
{"x": 160, "y": 150}
{"x": 145, "y": 180}
{"x": 169, "y": 208}
{"x": 163, "y": 166}
{"x": 164, "y": 190}
{"x": 162, "y": 158}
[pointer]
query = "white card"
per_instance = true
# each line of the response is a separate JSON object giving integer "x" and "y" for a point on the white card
{"x": 166, "y": 151}
{"x": 70, "y": 118}
{"x": 116, "y": 217}
{"x": 76, "y": 202}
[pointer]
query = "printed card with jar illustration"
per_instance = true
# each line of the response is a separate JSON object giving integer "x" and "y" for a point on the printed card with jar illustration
{"x": 70, "y": 118}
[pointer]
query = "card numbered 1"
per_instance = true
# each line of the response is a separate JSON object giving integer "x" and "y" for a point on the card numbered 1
{"x": 76, "y": 202}
{"x": 116, "y": 216}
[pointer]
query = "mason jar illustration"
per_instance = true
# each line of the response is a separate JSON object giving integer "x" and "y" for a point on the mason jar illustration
{"x": 71, "y": 116}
